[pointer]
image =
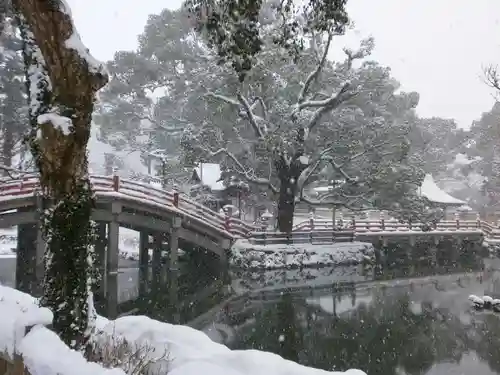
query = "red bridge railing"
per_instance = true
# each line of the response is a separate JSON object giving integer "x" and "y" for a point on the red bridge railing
{"x": 109, "y": 185}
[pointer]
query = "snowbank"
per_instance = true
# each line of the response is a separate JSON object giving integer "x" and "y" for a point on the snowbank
{"x": 189, "y": 352}
{"x": 42, "y": 351}
{"x": 45, "y": 354}
{"x": 249, "y": 256}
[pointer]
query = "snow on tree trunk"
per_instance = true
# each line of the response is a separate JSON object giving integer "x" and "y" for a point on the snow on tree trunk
{"x": 62, "y": 81}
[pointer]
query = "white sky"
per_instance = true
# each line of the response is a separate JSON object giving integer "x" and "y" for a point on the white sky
{"x": 434, "y": 47}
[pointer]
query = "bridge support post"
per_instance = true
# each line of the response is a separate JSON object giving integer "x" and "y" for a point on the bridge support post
{"x": 173, "y": 295}
{"x": 157, "y": 249}
{"x": 174, "y": 243}
{"x": 40, "y": 243}
{"x": 100, "y": 253}
{"x": 225, "y": 244}
{"x": 143, "y": 261}
{"x": 26, "y": 258}
{"x": 112, "y": 263}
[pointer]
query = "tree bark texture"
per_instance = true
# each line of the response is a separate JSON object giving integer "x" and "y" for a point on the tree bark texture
{"x": 61, "y": 81}
{"x": 286, "y": 207}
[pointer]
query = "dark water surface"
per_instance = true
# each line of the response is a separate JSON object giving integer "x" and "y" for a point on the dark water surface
{"x": 405, "y": 319}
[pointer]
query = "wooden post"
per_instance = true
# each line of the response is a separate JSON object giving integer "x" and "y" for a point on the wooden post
{"x": 143, "y": 262}
{"x": 40, "y": 243}
{"x": 173, "y": 291}
{"x": 26, "y": 257}
{"x": 100, "y": 248}
{"x": 382, "y": 220}
{"x": 176, "y": 199}
{"x": 116, "y": 182}
{"x": 478, "y": 221}
{"x": 457, "y": 220}
{"x": 174, "y": 243}
{"x": 157, "y": 248}
{"x": 112, "y": 256}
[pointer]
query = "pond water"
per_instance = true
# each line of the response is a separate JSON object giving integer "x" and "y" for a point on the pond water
{"x": 402, "y": 320}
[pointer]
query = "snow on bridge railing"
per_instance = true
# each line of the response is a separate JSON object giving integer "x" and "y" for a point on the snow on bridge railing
{"x": 382, "y": 225}
{"x": 491, "y": 231}
{"x": 142, "y": 192}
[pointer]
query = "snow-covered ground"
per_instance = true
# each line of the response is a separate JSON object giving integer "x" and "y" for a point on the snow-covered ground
{"x": 181, "y": 350}
{"x": 249, "y": 256}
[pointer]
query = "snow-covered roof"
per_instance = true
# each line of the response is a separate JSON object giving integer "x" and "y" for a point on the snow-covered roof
{"x": 432, "y": 192}
{"x": 322, "y": 189}
{"x": 210, "y": 175}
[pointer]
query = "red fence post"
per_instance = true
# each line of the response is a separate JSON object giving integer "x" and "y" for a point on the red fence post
{"x": 116, "y": 182}
{"x": 176, "y": 199}
{"x": 457, "y": 220}
{"x": 227, "y": 223}
{"x": 478, "y": 221}
{"x": 311, "y": 229}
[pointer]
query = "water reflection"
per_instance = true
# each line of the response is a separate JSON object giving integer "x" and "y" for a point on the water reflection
{"x": 421, "y": 326}
{"x": 399, "y": 319}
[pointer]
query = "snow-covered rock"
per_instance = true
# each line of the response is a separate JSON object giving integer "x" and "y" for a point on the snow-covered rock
{"x": 247, "y": 255}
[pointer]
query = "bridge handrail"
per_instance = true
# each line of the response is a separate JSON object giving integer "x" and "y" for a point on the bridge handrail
{"x": 27, "y": 185}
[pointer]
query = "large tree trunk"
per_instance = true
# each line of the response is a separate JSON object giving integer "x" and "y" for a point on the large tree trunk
{"x": 62, "y": 82}
{"x": 286, "y": 204}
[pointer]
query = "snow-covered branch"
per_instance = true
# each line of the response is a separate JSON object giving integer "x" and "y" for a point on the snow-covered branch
{"x": 316, "y": 72}
{"x": 330, "y": 104}
{"x": 310, "y": 169}
{"x": 223, "y": 98}
{"x": 353, "y": 204}
{"x": 241, "y": 171}
{"x": 251, "y": 117}
{"x": 246, "y": 110}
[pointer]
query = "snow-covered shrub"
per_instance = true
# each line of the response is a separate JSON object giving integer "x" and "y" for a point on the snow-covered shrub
{"x": 113, "y": 351}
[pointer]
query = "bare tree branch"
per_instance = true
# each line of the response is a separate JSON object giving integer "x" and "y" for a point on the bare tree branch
{"x": 242, "y": 172}
{"x": 349, "y": 204}
{"x": 251, "y": 117}
{"x": 247, "y": 109}
{"x": 316, "y": 72}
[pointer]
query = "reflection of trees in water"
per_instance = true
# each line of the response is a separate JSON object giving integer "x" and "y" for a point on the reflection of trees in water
{"x": 448, "y": 255}
{"x": 377, "y": 338}
{"x": 486, "y": 338}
